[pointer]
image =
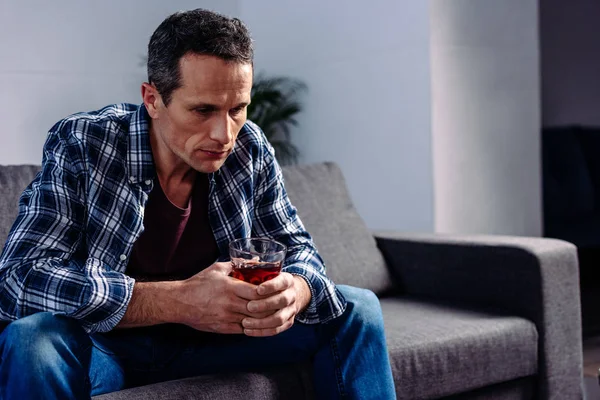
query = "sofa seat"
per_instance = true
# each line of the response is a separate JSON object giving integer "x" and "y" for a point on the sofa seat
{"x": 438, "y": 350}
{"x": 284, "y": 382}
{"x": 435, "y": 351}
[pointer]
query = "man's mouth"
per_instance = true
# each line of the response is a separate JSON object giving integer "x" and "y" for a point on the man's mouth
{"x": 214, "y": 154}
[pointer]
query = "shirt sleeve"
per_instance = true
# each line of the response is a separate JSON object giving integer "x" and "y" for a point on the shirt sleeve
{"x": 44, "y": 266}
{"x": 276, "y": 217}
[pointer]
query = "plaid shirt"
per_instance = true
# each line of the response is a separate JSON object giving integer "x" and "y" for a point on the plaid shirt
{"x": 68, "y": 250}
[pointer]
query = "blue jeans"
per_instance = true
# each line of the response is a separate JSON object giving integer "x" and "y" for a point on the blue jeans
{"x": 47, "y": 356}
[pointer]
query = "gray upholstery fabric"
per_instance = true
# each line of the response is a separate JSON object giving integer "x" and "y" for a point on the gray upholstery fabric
{"x": 533, "y": 278}
{"x": 13, "y": 180}
{"x": 293, "y": 382}
{"x": 519, "y": 389}
{"x": 435, "y": 351}
{"x": 319, "y": 193}
{"x": 439, "y": 350}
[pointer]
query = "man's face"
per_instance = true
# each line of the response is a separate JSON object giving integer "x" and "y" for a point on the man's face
{"x": 201, "y": 123}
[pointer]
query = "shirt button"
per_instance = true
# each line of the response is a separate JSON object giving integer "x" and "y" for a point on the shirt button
{"x": 123, "y": 257}
{"x": 131, "y": 179}
{"x": 148, "y": 182}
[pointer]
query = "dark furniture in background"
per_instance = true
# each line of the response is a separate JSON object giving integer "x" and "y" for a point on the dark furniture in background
{"x": 571, "y": 187}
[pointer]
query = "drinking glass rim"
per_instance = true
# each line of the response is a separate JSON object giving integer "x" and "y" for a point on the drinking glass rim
{"x": 263, "y": 239}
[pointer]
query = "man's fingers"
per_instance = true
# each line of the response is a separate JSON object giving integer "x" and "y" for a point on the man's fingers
{"x": 227, "y": 323}
{"x": 245, "y": 290}
{"x": 269, "y": 331}
{"x": 283, "y": 281}
{"x": 278, "y": 319}
{"x": 272, "y": 303}
{"x": 237, "y": 305}
{"x": 240, "y": 307}
{"x": 228, "y": 328}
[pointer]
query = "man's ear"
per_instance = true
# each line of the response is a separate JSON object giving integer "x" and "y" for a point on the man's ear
{"x": 152, "y": 99}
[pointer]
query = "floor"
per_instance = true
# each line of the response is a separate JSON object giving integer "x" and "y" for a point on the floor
{"x": 591, "y": 365}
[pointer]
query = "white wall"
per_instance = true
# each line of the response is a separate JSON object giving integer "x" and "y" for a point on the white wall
{"x": 366, "y": 65}
{"x": 368, "y": 106}
{"x": 570, "y": 40}
{"x": 65, "y": 56}
{"x": 486, "y": 116}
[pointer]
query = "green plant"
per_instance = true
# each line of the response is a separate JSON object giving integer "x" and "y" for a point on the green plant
{"x": 274, "y": 107}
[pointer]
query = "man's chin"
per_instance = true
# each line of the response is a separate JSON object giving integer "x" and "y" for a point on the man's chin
{"x": 208, "y": 167}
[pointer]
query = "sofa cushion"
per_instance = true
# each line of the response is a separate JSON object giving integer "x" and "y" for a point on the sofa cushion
{"x": 13, "y": 180}
{"x": 522, "y": 388}
{"x": 291, "y": 382}
{"x": 347, "y": 246}
{"x": 438, "y": 350}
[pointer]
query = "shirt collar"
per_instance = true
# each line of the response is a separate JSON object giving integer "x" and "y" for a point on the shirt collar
{"x": 140, "y": 162}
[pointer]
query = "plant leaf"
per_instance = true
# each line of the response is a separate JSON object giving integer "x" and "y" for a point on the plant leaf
{"x": 274, "y": 108}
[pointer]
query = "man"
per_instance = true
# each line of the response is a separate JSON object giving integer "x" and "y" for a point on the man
{"x": 109, "y": 271}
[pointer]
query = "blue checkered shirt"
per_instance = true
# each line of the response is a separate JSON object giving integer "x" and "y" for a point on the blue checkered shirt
{"x": 69, "y": 247}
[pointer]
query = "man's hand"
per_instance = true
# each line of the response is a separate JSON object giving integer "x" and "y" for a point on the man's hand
{"x": 211, "y": 301}
{"x": 287, "y": 295}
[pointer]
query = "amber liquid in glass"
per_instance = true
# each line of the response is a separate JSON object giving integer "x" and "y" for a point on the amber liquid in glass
{"x": 255, "y": 272}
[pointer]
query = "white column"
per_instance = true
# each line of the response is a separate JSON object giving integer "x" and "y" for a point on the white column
{"x": 486, "y": 116}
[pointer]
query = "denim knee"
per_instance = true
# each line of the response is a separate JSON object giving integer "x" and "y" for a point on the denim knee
{"x": 40, "y": 339}
{"x": 364, "y": 306}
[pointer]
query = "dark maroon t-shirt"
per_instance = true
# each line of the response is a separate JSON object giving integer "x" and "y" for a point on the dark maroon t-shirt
{"x": 177, "y": 242}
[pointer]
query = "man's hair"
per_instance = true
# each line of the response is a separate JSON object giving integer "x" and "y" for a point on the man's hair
{"x": 199, "y": 32}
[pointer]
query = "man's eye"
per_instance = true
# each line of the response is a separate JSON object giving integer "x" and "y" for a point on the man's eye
{"x": 237, "y": 110}
{"x": 203, "y": 111}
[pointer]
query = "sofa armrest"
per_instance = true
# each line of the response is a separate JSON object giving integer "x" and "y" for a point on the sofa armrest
{"x": 535, "y": 278}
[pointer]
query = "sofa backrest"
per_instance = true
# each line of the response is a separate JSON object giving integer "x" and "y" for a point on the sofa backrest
{"x": 319, "y": 193}
{"x": 13, "y": 180}
{"x": 351, "y": 255}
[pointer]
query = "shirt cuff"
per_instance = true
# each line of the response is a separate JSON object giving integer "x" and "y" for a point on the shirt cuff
{"x": 304, "y": 316}
{"x": 113, "y": 319}
{"x": 326, "y": 302}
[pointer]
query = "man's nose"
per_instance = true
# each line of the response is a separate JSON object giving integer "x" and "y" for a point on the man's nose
{"x": 222, "y": 131}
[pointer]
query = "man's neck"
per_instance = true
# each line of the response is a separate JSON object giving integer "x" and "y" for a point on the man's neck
{"x": 177, "y": 187}
{"x": 175, "y": 176}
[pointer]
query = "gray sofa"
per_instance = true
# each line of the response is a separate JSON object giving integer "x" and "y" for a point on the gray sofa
{"x": 466, "y": 317}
